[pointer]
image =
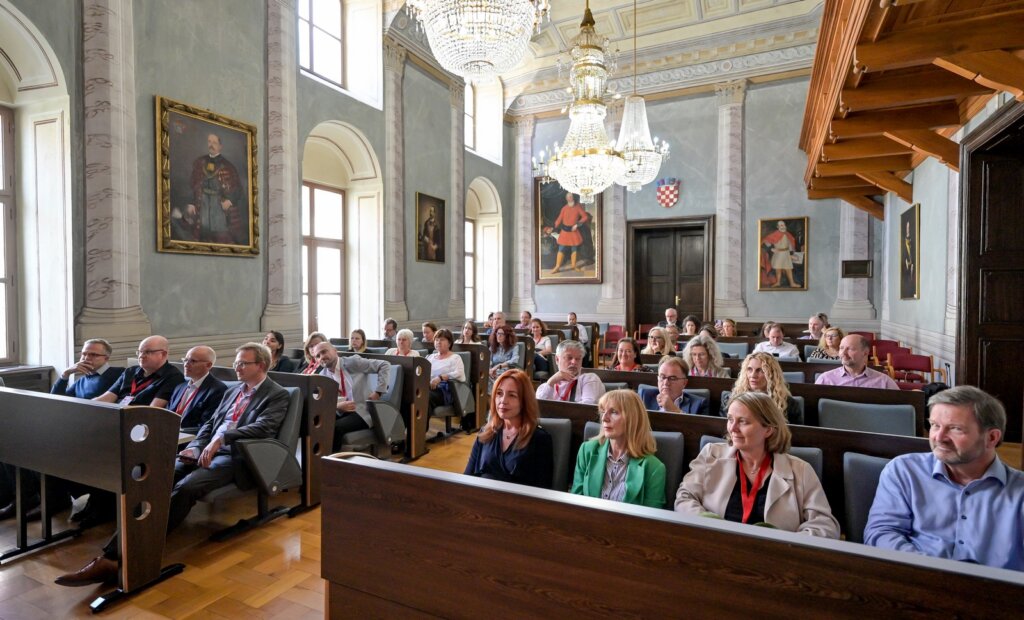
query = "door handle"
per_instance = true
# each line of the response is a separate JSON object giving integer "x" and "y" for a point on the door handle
{"x": 677, "y": 300}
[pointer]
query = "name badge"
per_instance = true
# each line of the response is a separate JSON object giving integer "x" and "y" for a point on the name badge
{"x": 127, "y": 400}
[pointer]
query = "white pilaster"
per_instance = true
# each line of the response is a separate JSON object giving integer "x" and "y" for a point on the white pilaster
{"x": 457, "y": 238}
{"x": 283, "y": 310}
{"x": 952, "y": 254}
{"x": 112, "y": 273}
{"x": 523, "y": 274}
{"x": 612, "y": 304}
{"x": 729, "y": 270}
{"x": 394, "y": 190}
{"x": 852, "y": 299}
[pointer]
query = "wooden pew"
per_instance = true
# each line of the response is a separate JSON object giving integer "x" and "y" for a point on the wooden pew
{"x": 478, "y": 374}
{"x": 128, "y": 451}
{"x": 833, "y": 442}
{"x": 810, "y": 392}
{"x": 749, "y": 328}
{"x": 535, "y": 553}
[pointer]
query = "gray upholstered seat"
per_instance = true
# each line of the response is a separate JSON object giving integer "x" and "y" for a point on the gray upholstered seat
{"x": 808, "y": 349}
{"x": 615, "y": 385}
{"x": 560, "y": 430}
{"x": 463, "y": 401}
{"x": 789, "y": 358}
{"x": 812, "y": 456}
{"x": 734, "y": 349}
{"x": 386, "y": 415}
{"x": 670, "y": 451}
{"x": 793, "y": 376}
{"x": 867, "y": 417}
{"x": 860, "y": 481}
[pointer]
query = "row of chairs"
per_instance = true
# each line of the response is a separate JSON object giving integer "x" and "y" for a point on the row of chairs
{"x": 860, "y": 472}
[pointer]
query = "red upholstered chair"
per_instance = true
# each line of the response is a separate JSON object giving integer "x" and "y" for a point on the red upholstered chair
{"x": 641, "y": 333}
{"x": 882, "y": 348}
{"x": 912, "y": 372}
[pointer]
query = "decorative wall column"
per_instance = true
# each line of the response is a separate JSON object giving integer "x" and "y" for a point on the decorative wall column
{"x": 852, "y": 298}
{"x": 613, "y": 239}
{"x": 394, "y": 189}
{"x": 952, "y": 254}
{"x": 729, "y": 202}
{"x": 283, "y": 311}
{"x": 457, "y": 240}
{"x": 112, "y": 274}
{"x": 522, "y": 273}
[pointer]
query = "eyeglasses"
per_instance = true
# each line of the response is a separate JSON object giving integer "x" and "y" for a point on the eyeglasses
{"x": 192, "y": 360}
{"x": 669, "y": 378}
{"x": 150, "y": 352}
{"x": 91, "y": 354}
{"x": 241, "y": 364}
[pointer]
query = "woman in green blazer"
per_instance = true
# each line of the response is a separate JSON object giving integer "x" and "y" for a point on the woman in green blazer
{"x": 619, "y": 464}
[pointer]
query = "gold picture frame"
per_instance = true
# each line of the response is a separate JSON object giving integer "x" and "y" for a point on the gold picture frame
{"x": 431, "y": 231}
{"x": 564, "y": 226}
{"x": 782, "y": 256}
{"x": 206, "y": 182}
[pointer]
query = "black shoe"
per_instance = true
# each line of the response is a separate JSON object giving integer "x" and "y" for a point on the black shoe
{"x": 7, "y": 512}
{"x": 34, "y": 513}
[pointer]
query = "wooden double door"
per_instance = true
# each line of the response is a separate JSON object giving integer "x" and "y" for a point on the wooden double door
{"x": 671, "y": 266}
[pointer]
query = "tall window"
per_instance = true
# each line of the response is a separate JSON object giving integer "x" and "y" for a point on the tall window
{"x": 470, "y": 269}
{"x": 320, "y": 46}
{"x": 8, "y": 300}
{"x": 323, "y": 252}
{"x": 470, "y": 105}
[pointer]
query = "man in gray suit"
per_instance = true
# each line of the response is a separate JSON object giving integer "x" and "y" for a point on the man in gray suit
{"x": 352, "y": 374}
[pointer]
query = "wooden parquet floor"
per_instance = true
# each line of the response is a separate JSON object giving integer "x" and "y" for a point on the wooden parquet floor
{"x": 270, "y": 572}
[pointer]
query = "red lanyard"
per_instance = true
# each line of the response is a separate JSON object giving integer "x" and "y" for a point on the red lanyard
{"x": 241, "y": 402}
{"x": 568, "y": 390}
{"x": 341, "y": 383}
{"x": 748, "y": 498}
{"x": 183, "y": 405}
{"x": 136, "y": 389}
{"x": 311, "y": 369}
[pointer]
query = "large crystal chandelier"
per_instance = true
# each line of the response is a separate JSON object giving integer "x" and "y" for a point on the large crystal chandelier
{"x": 478, "y": 39}
{"x": 587, "y": 162}
{"x": 643, "y": 156}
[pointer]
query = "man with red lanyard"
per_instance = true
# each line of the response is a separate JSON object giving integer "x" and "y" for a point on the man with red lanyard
{"x": 254, "y": 409}
{"x": 568, "y": 384}
{"x": 151, "y": 382}
{"x": 352, "y": 373}
{"x": 196, "y": 399}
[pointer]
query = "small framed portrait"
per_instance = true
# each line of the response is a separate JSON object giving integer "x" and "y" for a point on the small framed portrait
{"x": 206, "y": 182}
{"x": 782, "y": 257}
{"x": 430, "y": 229}
{"x": 910, "y": 253}
{"x": 568, "y": 249}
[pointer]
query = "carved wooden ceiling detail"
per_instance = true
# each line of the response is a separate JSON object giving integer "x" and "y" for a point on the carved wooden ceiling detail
{"x": 893, "y": 80}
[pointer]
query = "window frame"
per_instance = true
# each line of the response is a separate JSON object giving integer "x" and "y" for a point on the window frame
{"x": 469, "y": 287}
{"x": 311, "y": 242}
{"x": 469, "y": 112}
{"x": 311, "y": 26}
{"x": 10, "y": 352}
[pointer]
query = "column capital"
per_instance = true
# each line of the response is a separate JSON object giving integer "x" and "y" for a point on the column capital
{"x": 394, "y": 56}
{"x": 457, "y": 94}
{"x": 731, "y": 92}
{"x": 524, "y": 125}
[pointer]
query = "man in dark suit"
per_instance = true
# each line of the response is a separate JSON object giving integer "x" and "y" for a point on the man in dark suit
{"x": 672, "y": 380}
{"x": 197, "y": 399}
{"x": 254, "y": 409}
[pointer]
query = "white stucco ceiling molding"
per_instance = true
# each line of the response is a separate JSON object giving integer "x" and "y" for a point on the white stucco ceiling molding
{"x": 701, "y": 74}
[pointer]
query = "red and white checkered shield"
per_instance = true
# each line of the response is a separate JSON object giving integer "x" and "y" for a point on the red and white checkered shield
{"x": 668, "y": 192}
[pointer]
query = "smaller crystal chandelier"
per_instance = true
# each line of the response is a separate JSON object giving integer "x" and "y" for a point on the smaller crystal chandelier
{"x": 643, "y": 156}
{"x": 587, "y": 162}
{"x": 478, "y": 39}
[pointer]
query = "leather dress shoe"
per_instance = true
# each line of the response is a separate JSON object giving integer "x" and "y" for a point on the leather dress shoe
{"x": 7, "y": 512}
{"x": 34, "y": 513}
{"x": 100, "y": 570}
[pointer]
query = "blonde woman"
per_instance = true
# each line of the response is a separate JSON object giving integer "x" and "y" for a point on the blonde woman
{"x": 309, "y": 365}
{"x": 619, "y": 464}
{"x": 828, "y": 346}
{"x": 760, "y": 372}
{"x": 705, "y": 360}
{"x": 657, "y": 343}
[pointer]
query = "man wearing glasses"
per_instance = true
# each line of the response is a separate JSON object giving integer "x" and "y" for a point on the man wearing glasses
{"x": 150, "y": 383}
{"x": 195, "y": 400}
{"x": 93, "y": 374}
{"x": 669, "y": 397}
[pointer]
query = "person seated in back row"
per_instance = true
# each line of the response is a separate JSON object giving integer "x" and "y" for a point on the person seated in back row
{"x": 670, "y": 397}
{"x": 775, "y": 344}
{"x": 853, "y": 353}
{"x": 195, "y": 400}
{"x": 352, "y": 374}
{"x": 93, "y": 374}
{"x": 671, "y": 318}
{"x": 570, "y": 383}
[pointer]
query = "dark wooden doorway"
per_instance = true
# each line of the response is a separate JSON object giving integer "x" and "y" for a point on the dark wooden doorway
{"x": 991, "y": 332}
{"x": 670, "y": 265}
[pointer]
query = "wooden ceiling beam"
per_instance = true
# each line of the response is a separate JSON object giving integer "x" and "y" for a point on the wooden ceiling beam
{"x": 892, "y": 3}
{"x": 843, "y": 182}
{"x": 921, "y": 46}
{"x": 905, "y": 90}
{"x": 998, "y": 69}
{"x": 866, "y": 204}
{"x": 863, "y": 147}
{"x": 931, "y": 144}
{"x": 880, "y": 121}
{"x": 863, "y": 190}
{"x": 868, "y": 164}
{"x": 890, "y": 183}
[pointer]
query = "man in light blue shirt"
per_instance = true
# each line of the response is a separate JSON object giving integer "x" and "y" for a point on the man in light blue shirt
{"x": 960, "y": 501}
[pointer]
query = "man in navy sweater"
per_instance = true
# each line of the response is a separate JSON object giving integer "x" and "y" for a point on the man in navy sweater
{"x": 93, "y": 373}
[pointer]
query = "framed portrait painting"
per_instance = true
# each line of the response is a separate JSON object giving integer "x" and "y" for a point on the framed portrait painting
{"x": 206, "y": 182}
{"x": 782, "y": 257}
{"x": 430, "y": 232}
{"x": 568, "y": 247}
{"x": 910, "y": 253}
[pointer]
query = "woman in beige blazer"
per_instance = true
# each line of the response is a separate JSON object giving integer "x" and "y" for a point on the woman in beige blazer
{"x": 776, "y": 489}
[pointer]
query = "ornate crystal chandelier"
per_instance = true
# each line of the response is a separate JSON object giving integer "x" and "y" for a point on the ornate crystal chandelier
{"x": 643, "y": 156}
{"x": 588, "y": 161}
{"x": 478, "y": 39}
